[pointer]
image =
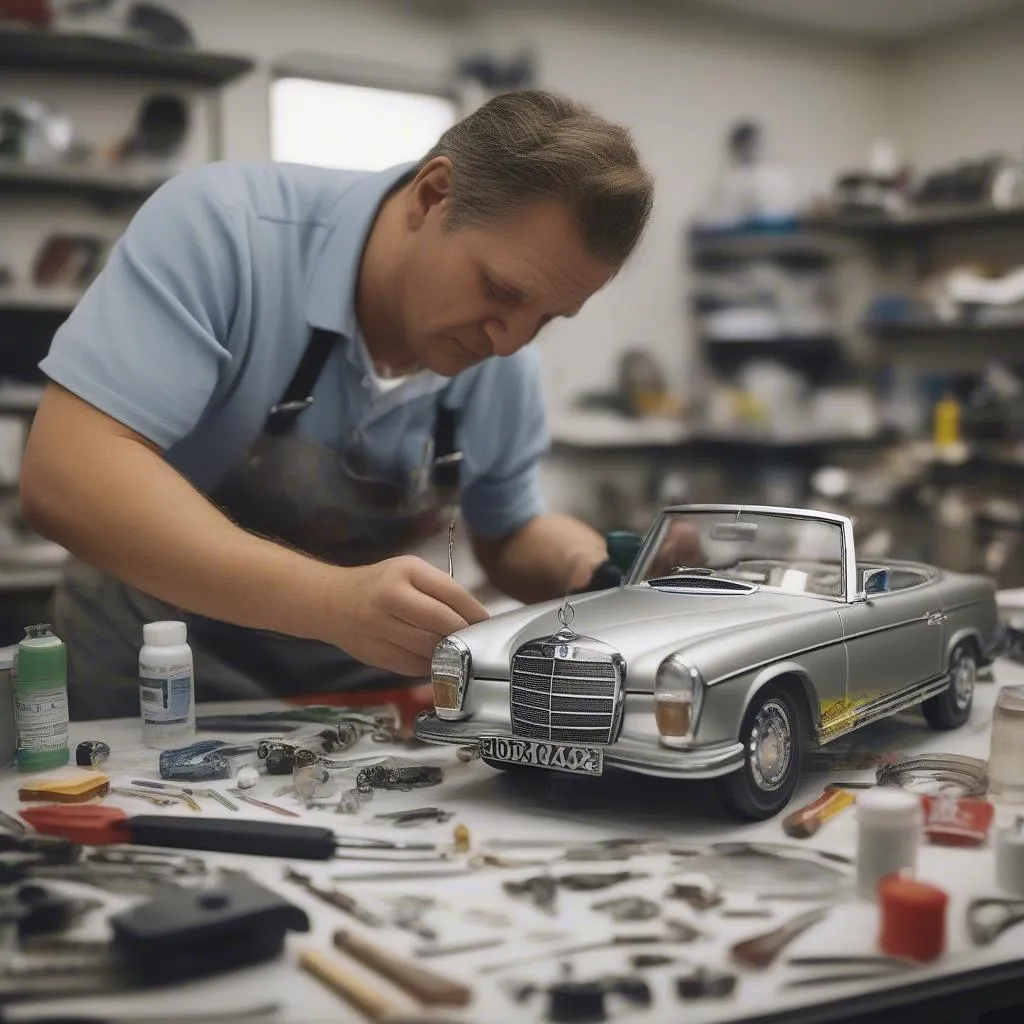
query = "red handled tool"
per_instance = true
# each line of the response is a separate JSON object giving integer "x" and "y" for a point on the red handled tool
{"x": 100, "y": 826}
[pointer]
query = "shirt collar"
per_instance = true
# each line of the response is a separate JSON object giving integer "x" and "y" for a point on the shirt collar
{"x": 331, "y": 296}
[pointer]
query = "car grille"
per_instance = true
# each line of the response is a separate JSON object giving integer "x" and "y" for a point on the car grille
{"x": 566, "y": 693}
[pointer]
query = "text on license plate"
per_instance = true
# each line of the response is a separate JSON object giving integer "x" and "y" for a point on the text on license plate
{"x": 560, "y": 756}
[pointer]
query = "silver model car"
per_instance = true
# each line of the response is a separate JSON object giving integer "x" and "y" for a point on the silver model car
{"x": 775, "y": 640}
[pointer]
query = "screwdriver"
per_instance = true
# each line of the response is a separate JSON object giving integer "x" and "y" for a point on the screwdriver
{"x": 99, "y": 826}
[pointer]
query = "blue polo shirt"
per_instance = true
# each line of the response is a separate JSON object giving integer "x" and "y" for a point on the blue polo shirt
{"x": 194, "y": 327}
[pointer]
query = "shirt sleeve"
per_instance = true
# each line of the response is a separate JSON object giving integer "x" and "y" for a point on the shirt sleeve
{"x": 148, "y": 341}
{"x": 504, "y": 437}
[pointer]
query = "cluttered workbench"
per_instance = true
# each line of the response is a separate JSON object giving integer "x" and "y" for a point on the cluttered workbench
{"x": 530, "y": 896}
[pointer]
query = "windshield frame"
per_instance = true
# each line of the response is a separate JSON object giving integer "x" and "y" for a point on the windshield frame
{"x": 849, "y": 561}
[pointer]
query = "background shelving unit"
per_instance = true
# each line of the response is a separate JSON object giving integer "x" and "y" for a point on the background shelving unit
{"x": 30, "y": 314}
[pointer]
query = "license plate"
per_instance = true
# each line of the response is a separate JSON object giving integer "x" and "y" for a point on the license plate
{"x": 561, "y": 757}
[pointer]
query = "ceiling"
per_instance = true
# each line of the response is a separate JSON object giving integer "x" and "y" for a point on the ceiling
{"x": 879, "y": 20}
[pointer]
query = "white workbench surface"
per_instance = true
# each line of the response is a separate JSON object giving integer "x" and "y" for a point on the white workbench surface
{"x": 496, "y": 807}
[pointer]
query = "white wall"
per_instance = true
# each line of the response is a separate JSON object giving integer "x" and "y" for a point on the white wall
{"x": 959, "y": 94}
{"x": 677, "y": 83}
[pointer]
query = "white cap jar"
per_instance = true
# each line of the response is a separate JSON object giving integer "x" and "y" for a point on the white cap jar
{"x": 890, "y": 821}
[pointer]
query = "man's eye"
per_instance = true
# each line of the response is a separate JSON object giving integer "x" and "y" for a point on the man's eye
{"x": 501, "y": 294}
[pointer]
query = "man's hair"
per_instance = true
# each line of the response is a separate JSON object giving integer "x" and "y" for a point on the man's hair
{"x": 525, "y": 146}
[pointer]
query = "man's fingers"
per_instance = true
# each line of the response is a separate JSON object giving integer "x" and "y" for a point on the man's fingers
{"x": 427, "y": 613}
{"x": 443, "y": 588}
{"x": 412, "y": 637}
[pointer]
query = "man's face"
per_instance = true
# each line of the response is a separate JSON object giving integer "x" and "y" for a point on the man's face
{"x": 476, "y": 292}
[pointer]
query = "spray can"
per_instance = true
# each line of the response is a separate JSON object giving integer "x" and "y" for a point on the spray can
{"x": 40, "y": 674}
{"x": 166, "y": 685}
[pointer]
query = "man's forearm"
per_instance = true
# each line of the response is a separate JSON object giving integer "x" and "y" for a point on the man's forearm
{"x": 114, "y": 502}
{"x": 550, "y": 556}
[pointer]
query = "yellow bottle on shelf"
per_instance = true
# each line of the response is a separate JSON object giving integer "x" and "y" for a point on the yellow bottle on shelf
{"x": 946, "y": 422}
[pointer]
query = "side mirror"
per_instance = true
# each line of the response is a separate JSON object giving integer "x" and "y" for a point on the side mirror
{"x": 876, "y": 581}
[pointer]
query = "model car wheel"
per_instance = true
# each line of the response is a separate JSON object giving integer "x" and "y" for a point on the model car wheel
{"x": 772, "y": 736}
{"x": 951, "y": 708}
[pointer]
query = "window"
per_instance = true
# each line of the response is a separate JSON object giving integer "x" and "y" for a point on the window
{"x": 353, "y": 127}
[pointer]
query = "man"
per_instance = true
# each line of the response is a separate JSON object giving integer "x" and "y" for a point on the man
{"x": 285, "y": 376}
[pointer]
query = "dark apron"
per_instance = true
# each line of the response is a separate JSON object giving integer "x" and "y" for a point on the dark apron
{"x": 290, "y": 490}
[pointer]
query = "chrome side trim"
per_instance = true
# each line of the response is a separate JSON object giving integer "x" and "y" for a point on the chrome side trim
{"x": 882, "y": 707}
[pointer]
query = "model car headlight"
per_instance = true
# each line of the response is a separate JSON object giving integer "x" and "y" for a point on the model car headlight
{"x": 449, "y": 672}
{"x": 678, "y": 695}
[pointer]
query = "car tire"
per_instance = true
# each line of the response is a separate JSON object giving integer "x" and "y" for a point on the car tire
{"x": 951, "y": 708}
{"x": 764, "y": 785}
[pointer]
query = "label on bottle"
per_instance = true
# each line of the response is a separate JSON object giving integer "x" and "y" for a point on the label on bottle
{"x": 165, "y": 697}
{"x": 42, "y": 718}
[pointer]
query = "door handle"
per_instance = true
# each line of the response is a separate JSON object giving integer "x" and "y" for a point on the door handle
{"x": 936, "y": 618}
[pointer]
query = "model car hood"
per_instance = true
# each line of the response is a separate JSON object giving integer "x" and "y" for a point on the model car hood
{"x": 634, "y": 620}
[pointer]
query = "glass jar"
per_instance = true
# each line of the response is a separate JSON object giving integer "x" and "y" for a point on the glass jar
{"x": 1006, "y": 752}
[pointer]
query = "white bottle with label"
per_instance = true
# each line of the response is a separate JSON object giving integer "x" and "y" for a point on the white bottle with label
{"x": 166, "y": 686}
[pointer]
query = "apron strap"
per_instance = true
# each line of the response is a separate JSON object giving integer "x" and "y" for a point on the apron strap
{"x": 298, "y": 396}
{"x": 447, "y": 457}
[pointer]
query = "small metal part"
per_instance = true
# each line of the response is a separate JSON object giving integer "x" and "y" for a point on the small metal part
{"x": 468, "y": 753}
{"x": 263, "y": 803}
{"x": 835, "y": 979}
{"x": 458, "y": 947}
{"x": 541, "y": 890}
{"x": 178, "y": 792}
{"x": 682, "y": 931}
{"x": 868, "y": 959}
{"x": 336, "y": 898}
{"x": 761, "y": 950}
{"x": 705, "y": 983}
{"x": 594, "y": 881}
{"x": 451, "y": 549}
{"x": 495, "y": 918}
{"x": 699, "y": 897}
{"x": 404, "y": 777}
{"x": 415, "y": 816}
{"x": 247, "y": 777}
{"x": 643, "y": 961}
{"x": 988, "y": 918}
{"x": 460, "y": 839}
{"x": 91, "y": 753}
{"x": 629, "y": 908}
{"x": 408, "y": 915}
{"x": 349, "y": 802}
{"x": 214, "y": 794}
{"x": 744, "y": 912}
{"x": 674, "y": 933}
{"x": 138, "y": 794}
{"x": 413, "y": 875}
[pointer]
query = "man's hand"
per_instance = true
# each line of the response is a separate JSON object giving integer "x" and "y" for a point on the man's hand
{"x": 393, "y": 613}
{"x": 680, "y": 546}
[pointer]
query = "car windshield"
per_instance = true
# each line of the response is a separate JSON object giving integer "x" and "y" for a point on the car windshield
{"x": 797, "y": 554}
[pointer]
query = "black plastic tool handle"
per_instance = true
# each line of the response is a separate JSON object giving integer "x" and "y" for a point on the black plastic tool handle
{"x": 226, "y": 835}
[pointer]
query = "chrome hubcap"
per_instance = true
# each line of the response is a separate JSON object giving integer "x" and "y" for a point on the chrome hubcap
{"x": 771, "y": 745}
{"x": 964, "y": 674}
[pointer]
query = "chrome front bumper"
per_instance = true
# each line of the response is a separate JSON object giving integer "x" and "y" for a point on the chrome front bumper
{"x": 704, "y": 762}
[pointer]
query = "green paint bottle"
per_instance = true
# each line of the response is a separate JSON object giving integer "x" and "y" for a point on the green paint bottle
{"x": 41, "y": 700}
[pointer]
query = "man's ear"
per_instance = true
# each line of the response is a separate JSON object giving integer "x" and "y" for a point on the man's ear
{"x": 429, "y": 192}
